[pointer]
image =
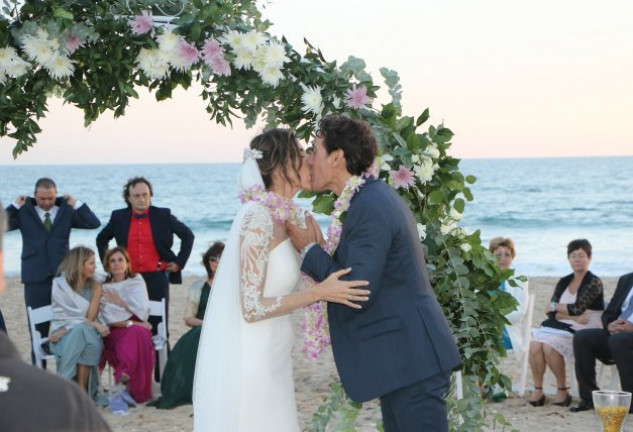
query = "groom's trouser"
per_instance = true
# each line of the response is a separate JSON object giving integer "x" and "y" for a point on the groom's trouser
{"x": 419, "y": 407}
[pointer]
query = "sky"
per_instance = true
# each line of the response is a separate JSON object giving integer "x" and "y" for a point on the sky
{"x": 511, "y": 79}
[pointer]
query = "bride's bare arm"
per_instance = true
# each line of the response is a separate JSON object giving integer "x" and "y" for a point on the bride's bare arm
{"x": 255, "y": 245}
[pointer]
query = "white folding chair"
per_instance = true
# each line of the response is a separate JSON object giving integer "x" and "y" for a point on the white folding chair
{"x": 614, "y": 382}
{"x": 527, "y": 338}
{"x": 157, "y": 308}
{"x": 37, "y": 316}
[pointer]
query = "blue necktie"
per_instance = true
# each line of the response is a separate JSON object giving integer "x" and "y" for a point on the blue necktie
{"x": 140, "y": 215}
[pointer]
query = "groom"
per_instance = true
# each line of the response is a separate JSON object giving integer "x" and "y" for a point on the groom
{"x": 398, "y": 346}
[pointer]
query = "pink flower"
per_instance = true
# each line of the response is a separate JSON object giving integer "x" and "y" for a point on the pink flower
{"x": 72, "y": 42}
{"x": 142, "y": 24}
{"x": 357, "y": 97}
{"x": 221, "y": 66}
{"x": 403, "y": 178}
{"x": 211, "y": 50}
{"x": 187, "y": 54}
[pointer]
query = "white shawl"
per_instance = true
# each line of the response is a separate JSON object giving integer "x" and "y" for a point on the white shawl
{"x": 133, "y": 292}
{"x": 69, "y": 307}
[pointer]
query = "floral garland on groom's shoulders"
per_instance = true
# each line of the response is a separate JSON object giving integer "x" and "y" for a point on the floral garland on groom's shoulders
{"x": 316, "y": 330}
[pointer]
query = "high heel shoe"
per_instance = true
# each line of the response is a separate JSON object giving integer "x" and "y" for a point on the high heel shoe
{"x": 540, "y": 401}
{"x": 565, "y": 402}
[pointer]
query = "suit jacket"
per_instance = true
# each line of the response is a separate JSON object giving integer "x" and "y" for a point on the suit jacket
{"x": 400, "y": 336}
{"x": 43, "y": 251}
{"x": 164, "y": 226}
{"x": 614, "y": 308}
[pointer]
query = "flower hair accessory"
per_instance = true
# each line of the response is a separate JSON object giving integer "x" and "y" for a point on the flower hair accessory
{"x": 252, "y": 154}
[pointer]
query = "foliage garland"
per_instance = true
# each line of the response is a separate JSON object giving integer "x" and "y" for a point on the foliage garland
{"x": 94, "y": 58}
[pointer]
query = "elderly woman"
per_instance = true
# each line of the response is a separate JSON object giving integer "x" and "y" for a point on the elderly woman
{"x": 125, "y": 309}
{"x": 177, "y": 383}
{"x": 503, "y": 250}
{"x": 577, "y": 303}
{"x": 75, "y": 337}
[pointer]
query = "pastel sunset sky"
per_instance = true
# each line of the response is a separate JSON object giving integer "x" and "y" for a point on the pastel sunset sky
{"x": 543, "y": 78}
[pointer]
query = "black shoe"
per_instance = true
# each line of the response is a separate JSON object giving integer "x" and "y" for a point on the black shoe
{"x": 582, "y": 406}
{"x": 565, "y": 402}
{"x": 540, "y": 401}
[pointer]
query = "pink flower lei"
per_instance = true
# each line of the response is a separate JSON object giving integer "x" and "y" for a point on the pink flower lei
{"x": 316, "y": 330}
{"x": 284, "y": 210}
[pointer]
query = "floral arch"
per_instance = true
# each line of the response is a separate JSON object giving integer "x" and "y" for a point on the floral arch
{"x": 94, "y": 55}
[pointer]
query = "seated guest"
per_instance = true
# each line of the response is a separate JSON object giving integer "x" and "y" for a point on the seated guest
{"x": 503, "y": 250}
{"x": 512, "y": 336}
{"x": 612, "y": 344}
{"x": 177, "y": 383}
{"x": 75, "y": 337}
{"x": 125, "y": 309}
{"x": 577, "y": 303}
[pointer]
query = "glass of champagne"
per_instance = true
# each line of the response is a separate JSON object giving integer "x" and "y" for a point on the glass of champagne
{"x": 612, "y": 407}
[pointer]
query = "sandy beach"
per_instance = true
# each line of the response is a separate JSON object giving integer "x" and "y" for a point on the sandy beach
{"x": 312, "y": 377}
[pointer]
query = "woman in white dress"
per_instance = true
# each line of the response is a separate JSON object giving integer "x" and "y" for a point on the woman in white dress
{"x": 243, "y": 380}
{"x": 577, "y": 303}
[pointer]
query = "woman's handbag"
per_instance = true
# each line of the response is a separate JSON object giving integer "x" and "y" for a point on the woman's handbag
{"x": 554, "y": 323}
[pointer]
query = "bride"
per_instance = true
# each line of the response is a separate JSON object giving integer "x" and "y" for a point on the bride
{"x": 243, "y": 378}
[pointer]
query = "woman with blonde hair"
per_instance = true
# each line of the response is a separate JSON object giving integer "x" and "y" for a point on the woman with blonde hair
{"x": 75, "y": 337}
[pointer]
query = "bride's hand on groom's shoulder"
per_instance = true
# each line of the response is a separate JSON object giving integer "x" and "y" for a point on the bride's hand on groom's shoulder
{"x": 344, "y": 292}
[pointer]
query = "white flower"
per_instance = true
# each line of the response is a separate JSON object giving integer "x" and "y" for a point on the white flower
{"x": 455, "y": 215}
{"x": 234, "y": 39}
{"x": 447, "y": 228}
{"x": 424, "y": 171}
{"x": 276, "y": 54}
{"x": 432, "y": 151}
{"x": 153, "y": 62}
{"x": 6, "y": 55}
{"x": 466, "y": 247}
{"x": 421, "y": 230}
{"x": 168, "y": 41}
{"x": 37, "y": 49}
{"x": 312, "y": 100}
{"x": 271, "y": 75}
{"x": 415, "y": 159}
{"x": 11, "y": 63}
{"x": 60, "y": 67}
{"x": 243, "y": 59}
{"x": 259, "y": 59}
{"x": 252, "y": 40}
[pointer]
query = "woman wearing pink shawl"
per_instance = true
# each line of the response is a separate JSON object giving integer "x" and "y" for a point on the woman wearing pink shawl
{"x": 125, "y": 309}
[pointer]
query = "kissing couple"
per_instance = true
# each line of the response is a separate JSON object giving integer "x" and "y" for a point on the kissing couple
{"x": 389, "y": 336}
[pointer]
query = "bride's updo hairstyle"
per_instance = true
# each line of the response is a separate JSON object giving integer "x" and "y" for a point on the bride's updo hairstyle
{"x": 354, "y": 137}
{"x": 281, "y": 149}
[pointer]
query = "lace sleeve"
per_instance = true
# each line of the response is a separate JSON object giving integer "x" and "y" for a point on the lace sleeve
{"x": 255, "y": 243}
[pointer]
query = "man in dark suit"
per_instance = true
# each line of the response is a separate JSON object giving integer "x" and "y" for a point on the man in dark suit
{"x": 611, "y": 344}
{"x": 45, "y": 222}
{"x": 147, "y": 232}
{"x": 399, "y": 346}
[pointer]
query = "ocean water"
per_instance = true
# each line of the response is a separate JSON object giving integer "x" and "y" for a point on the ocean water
{"x": 541, "y": 203}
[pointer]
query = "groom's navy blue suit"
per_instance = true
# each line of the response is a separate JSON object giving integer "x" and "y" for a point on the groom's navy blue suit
{"x": 400, "y": 337}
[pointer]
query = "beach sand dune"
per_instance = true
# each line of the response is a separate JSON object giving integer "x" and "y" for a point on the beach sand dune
{"x": 313, "y": 377}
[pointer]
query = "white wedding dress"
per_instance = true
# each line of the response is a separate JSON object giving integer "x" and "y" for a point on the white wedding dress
{"x": 243, "y": 379}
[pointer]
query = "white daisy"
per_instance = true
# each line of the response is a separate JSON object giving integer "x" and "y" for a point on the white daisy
{"x": 312, "y": 99}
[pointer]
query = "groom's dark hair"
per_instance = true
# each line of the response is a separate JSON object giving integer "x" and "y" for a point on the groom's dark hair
{"x": 354, "y": 137}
